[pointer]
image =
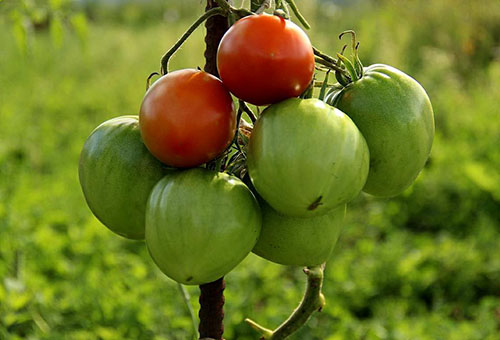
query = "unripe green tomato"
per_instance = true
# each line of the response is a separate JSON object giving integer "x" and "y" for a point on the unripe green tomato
{"x": 394, "y": 114}
{"x": 306, "y": 158}
{"x": 296, "y": 241}
{"x": 117, "y": 174}
{"x": 200, "y": 224}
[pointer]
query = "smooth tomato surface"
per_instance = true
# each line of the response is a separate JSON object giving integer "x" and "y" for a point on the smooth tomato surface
{"x": 117, "y": 173}
{"x": 264, "y": 59}
{"x": 394, "y": 114}
{"x": 295, "y": 241}
{"x": 187, "y": 118}
{"x": 200, "y": 224}
{"x": 306, "y": 158}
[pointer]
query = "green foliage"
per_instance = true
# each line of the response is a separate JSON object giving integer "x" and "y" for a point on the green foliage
{"x": 423, "y": 265}
{"x": 26, "y": 17}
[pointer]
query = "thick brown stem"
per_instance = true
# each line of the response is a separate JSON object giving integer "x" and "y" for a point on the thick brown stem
{"x": 212, "y": 310}
{"x": 212, "y": 294}
{"x": 216, "y": 27}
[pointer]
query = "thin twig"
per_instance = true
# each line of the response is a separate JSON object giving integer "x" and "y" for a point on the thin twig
{"x": 297, "y": 13}
{"x": 265, "y": 5}
{"x": 324, "y": 56}
{"x": 248, "y": 111}
{"x": 208, "y": 14}
{"x": 329, "y": 65}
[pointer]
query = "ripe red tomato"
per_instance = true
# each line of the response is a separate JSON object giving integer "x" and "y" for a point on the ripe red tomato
{"x": 264, "y": 59}
{"x": 187, "y": 118}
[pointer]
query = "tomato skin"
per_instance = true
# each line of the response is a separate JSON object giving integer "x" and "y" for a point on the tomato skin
{"x": 117, "y": 173}
{"x": 295, "y": 241}
{"x": 305, "y": 157}
{"x": 187, "y": 118}
{"x": 200, "y": 224}
{"x": 394, "y": 114}
{"x": 264, "y": 59}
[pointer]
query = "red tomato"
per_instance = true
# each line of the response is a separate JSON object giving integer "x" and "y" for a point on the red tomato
{"x": 187, "y": 118}
{"x": 264, "y": 59}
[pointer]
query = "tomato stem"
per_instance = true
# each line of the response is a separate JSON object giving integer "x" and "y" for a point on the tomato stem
{"x": 312, "y": 301}
{"x": 281, "y": 9}
{"x": 247, "y": 110}
{"x": 148, "y": 81}
{"x": 238, "y": 12}
{"x": 329, "y": 65}
{"x": 297, "y": 13}
{"x": 324, "y": 56}
{"x": 211, "y": 312}
{"x": 208, "y": 14}
{"x": 265, "y": 5}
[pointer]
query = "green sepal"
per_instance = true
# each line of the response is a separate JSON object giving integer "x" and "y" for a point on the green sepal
{"x": 349, "y": 66}
{"x": 322, "y": 92}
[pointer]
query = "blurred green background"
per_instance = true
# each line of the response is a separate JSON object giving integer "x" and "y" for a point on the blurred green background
{"x": 424, "y": 265}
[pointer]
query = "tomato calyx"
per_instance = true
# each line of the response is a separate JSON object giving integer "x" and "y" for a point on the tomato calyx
{"x": 233, "y": 159}
{"x": 347, "y": 70}
{"x": 353, "y": 66}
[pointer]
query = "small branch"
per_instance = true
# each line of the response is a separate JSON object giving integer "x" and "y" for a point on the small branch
{"x": 312, "y": 301}
{"x": 185, "y": 298}
{"x": 329, "y": 65}
{"x": 247, "y": 110}
{"x": 297, "y": 13}
{"x": 325, "y": 56}
{"x": 224, "y": 5}
{"x": 148, "y": 81}
{"x": 208, "y": 14}
{"x": 265, "y": 5}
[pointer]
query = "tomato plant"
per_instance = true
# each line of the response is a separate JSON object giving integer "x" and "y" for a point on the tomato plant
{"x": 187, "y": 118}
{"x": 264, "y": 59}
{"x": 200, "y": 224}
{"x": 305, "y": 157}
{"x": 117, "y": 174}
{"x": 394, "y": 114}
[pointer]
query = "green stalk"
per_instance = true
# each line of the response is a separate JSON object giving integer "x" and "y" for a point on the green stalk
{"x": 208, "y": 14}
{"x": 312, "y": 301}
{"x": 297, "y": 13}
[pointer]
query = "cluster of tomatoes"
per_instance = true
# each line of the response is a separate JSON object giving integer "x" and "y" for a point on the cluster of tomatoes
{"x": 146, "y": 177}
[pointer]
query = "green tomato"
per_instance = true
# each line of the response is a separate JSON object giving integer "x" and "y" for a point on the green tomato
{"x": 117, "y": 174}
{"x": 295, "y": 241}
{"x": 306, "y": 158}
{"x": 394, "y": 114}
{"x": 200, "y": 224}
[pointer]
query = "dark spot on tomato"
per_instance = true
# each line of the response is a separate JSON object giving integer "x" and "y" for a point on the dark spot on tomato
{"x": 315, "y": 204}
{"x": 189, "y": 279}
